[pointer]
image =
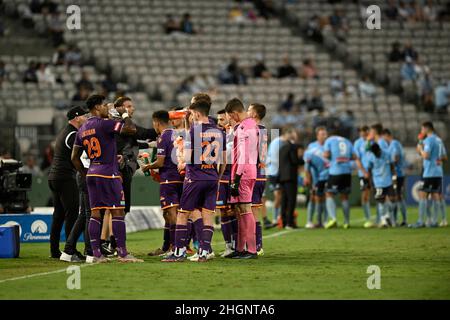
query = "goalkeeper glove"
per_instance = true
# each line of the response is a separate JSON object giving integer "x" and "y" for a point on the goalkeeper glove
{"x": 234, "y": 187}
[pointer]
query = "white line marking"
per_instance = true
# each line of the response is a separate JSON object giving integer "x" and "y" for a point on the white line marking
{"x": 43, "y": 273}
{"x": 273, "y": 235}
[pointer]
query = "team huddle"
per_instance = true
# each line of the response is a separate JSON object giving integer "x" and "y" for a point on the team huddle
{"x": 202, "y": 164}
{"x": 207, "y": 164}
{"x": 380, "y": 161}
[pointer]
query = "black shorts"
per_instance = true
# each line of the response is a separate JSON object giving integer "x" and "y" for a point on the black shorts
{"x": 399, "y": 185}
{"x": 341, "y": 183}
{"x": 274, "y": 183}
{"x": 432, "y": 185}
{"x": 364, "y": 184}
{"x": 381, "y": 193}
{"x": 319, "y": 188}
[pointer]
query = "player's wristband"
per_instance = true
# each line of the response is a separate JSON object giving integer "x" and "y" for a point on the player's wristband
{"x": 125, "y": 115}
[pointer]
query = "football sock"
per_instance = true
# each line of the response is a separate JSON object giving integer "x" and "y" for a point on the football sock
{"x": 422, "y": 211}
{"x": 180, "y": 239}
{"x": 166, "y": 237}
{"x": 443, "y": 207}
{"x": 225, "y": 225}
{"x": 346, "y": 209}
{"x": 234, "y": 232}
{"x": 198, "y": 229}
{"x": 120, "y": 233}
{"x": 258, "y": 235}
{"x": 172, "y": 234}
{"x": 190, "y": 231}
{"x": 242, "y": 227}
{"x": 366, "y": 209}
{"x": 250, "y": 231}
{"x": 320, "y": 212}
{"x": 95, "y": 229}
{"x": 394, "y": 207}
{"x": 403, "y": 210}
{"x": 435, "y": 216}
{"x": 310, "y": 211}
{"x": 331, "y": 208}
{"x": 207, "y": 235}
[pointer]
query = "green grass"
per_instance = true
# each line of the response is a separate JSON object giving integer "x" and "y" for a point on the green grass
{"x": 302, "y": 264}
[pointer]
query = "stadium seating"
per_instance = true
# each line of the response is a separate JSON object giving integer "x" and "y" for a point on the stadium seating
{"x": 129, "y": 38}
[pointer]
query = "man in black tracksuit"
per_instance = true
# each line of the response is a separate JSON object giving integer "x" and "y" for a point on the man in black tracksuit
{"x": 128, "y": 147}
{"x": 62, "y": 181}
{"x": 288, "y": 175}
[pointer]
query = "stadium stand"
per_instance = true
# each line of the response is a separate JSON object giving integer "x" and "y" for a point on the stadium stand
{"x": 160, "y": 68}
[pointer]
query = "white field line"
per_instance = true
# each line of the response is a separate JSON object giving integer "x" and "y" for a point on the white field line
{"x": 44, "y": 273}
{"x": 34, "y": 275}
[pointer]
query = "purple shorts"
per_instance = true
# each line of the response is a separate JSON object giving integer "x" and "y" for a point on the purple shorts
{"x": 105, "y": 193}
{"x": 223, "y": 193}
{"x": 258, "y": 191}
{"x": 200, "y": 194}
{"x": 170, "y": 194}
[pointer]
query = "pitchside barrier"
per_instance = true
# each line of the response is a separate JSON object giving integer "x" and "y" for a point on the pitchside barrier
{"x": 35, "y": 227}
{"x": 145, "y": 212}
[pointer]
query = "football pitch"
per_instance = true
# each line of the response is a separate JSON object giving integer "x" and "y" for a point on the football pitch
{"x": 298, "y": 264}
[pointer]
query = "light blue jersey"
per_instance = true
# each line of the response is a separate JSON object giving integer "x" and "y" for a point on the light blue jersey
{"x": 380, "y": 169}
{"x": 432, "y": 167}
{"x": 315, "y": 163}
{"x": 273, "y": 157}
{"x": 396, "y": 151}
{"x": 341, "y": 153}
{"x": 360, "y": 150}
{"x": 383, "y": 144}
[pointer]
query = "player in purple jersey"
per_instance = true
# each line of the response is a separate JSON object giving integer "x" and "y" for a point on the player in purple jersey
{"x": 258, "y": 111}
{"x": 228, "y": 222}
{"x": 171, "y": 182}
{"x": 205, "y": 157}
{"x": 97, "y": 138}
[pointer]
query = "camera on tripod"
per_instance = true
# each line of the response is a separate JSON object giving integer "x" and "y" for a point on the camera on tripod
{"x": 13, "y": 187}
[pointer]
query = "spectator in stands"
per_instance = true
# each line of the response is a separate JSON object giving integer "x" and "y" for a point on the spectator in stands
{"x": 236, "y": 15}
{"x": 2, "y": 72}
{"x": 313, "y": 29}
{"x": 81, "y": 95}
{"x": 337, "y": 86}
{"x": 85, "y": 81}
{"x": 47, "y": 156}
{"x": 25, "y": 14}
{"x": 287, "y": 69}
{"x": 30, "y": 74}
{"x": 403, "y": 11}
{"x": 73, "y": 56}
{"x": 259, "y": 69}
{"x": 339, "y": 24}
{"x": 287, "y": 104}
{"x": 396, "y": 55}
{"x": 441, "y": 97}
{"x": 309, "y": 70}
{"x": 430, "y": 12}
{"x": 366, "y": 89}
{"x": 56, "y": 28}
{"x": 233, "y": 73}
{"x": 347, "y": 124}
{"x": 392, "y": 10}
{"x": 186, "y": 24}
{"x": 59, "y": 57}
{"x": 316, "y": 102}
{"x": 426, "y": 91}
{"x": 409, "y": 51}
{"x": 408, "y": 70}
{"x": 45, "y": 75}
{"x": 48, "y": 6}
{"x": 108, "y": 84}
{"x": 30, "y": 166}
{"x": 2, "y": 28}
{"x": 171, "y": 24}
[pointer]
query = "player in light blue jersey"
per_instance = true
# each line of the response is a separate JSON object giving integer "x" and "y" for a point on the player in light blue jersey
{"x": 431, "y": 151}
{"x": 272, "y": 172}
{"x": 375, "y": 135}
{"x": 443, "y": 206}
{"x": 396, "y": 151}
{"x": 380, "y": 163}
{"x": 339, "y": 151}
{"x": 316, "y": 175}
{"x": 361, "y": 153}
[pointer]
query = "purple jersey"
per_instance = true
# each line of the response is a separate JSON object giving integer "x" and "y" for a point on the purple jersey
{"x": 169, "y": 171}
{"x": 206, "y": 143}
{"x": 97, "y": 138}
{"x": 262, "y": 152}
